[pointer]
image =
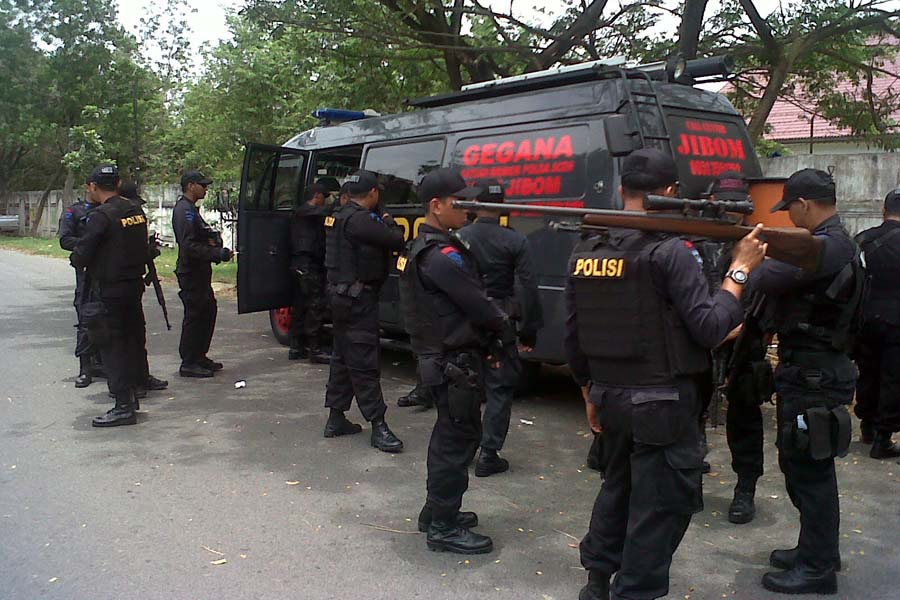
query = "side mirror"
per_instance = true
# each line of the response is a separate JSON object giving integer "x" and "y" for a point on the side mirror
{"x": 621, "y": 138}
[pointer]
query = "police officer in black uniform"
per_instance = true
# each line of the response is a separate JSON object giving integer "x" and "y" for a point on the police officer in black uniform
{"x": 815, "y": 311}
{"x": 503, "y": 259}
{"x": 640, "y": 323}
{"x": 72, "y": 225}
{"x": 308, "y": 270}
{"x": 358, "y": 245}
{"x": 878, "y": 346}
{"x": 450, "y": 319}
{"x": 113, "y": 250}
{"x": 198, "y": 247}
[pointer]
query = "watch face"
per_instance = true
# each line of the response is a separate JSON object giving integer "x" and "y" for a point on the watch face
{"x": 739, "y": 276}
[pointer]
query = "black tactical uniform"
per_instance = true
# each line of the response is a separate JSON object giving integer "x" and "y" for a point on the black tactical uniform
{"x": 113, "y": 250}
{"x": 878, "y": 346}
{"x": 72, "y": 225}
{"x": 308, "y": 267}
{"x": 198, "y": 247}
{"x": 358, "y": 249}
{"x": 814, "y": 381}
{"x": 503, "y": 259}
{"x": 639, "y": 327}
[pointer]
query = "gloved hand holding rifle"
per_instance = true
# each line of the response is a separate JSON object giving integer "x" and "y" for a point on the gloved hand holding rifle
{"x": 152, "y": 278}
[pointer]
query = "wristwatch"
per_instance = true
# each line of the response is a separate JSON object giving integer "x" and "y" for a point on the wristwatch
{"x": 737, "y": 276}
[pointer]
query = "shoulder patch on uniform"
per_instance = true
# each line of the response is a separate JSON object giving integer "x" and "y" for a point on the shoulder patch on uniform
{"x": 689, "y": 244}
{"x": 189, "y": 216}
{"x": 454, "y": 255}
{"x": 375, "y": 217}
{"x": 329, "y": 221}
{"x": 69, "y": 213}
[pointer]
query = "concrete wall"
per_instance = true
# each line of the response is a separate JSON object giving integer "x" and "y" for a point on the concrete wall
{"x": 830, "y": 147}
{"x": 160, "y": 201}
{"x": 862, "y": 181}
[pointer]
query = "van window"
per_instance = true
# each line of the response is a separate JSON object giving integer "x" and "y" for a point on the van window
{"x": 402, "y": 166}
{"x": 273, "y": 178}
{"x": 332, "y": 167}
{"x": 541, "y": 164}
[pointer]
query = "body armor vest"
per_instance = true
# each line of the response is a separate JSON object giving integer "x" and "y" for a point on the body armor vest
{"x": 823, "y": 315}
{"x": 349, "y": 261}
{"x": 434, "y": 324}
{"x": 123, "y": 254}
{"x": 629, "y": 332}
{"x": 881, "y": 300}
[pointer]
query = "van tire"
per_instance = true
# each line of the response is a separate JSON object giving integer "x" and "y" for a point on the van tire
{"x": 280, "y": 322}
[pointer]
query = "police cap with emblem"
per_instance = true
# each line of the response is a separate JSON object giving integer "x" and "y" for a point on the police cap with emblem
{"x": 809, "y": 184}
{"x": 648, "y": 169}
{"x": 104, "y": 175}
{"x": 445, "y": 183}
{"x": 491, "y": 191}
{"x": 361, "y": 183}
{"x": 194, "y": 176}
{"x": 730, "y": 185}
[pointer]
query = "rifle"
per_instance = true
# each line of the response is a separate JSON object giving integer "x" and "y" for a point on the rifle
{"x": 152, "y": 278}
{"x": 791, "y": 245}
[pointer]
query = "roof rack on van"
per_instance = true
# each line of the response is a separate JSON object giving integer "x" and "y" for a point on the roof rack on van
{"x": 675, "y": 69}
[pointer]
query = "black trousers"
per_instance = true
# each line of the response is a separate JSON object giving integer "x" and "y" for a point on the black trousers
{"x": 454, "y": 442}
{"x": 308, "y": 309}
{"x": 500, "y": 389}
{"x": 199, "y": 324}
{"x": 652, "y": 487}
{"x": 356, "y": 356}
{"x": 123, "y": 351}
{"x": 811, "y": 484}
{"x": 878, "y": 388}
{"x": 83, "y": 346}
{"x": 744, "y": 433}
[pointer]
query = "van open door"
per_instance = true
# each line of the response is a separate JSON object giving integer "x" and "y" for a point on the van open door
{"x": 272, "y": 184}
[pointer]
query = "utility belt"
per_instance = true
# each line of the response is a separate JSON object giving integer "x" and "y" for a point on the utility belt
{"x": 462, "y": 370}
{"x": 353, "y": 290}
{"x": 811, "y": 358}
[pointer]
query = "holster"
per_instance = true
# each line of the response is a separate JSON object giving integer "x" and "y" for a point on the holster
{"x": 828, "y": 433}
{"x": 463, "y": 391}
{"x": 93, "y": 318}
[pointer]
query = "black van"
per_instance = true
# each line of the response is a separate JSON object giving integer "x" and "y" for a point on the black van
{"x": 552, "y": 138}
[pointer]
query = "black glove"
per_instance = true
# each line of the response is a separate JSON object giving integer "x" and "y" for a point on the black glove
{"x": 388, "y": 220}
{"x": 225, "y": 255}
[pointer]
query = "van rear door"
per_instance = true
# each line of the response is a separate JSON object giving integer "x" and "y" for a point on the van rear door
{"x": 272, "y": 185}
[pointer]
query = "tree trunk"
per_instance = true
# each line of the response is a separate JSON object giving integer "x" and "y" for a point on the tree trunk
{"x": 777, "y": 77}
{"x": 691, "y": 25}
{"x": 42, "y": 204}
{"x": 68, "y": 187}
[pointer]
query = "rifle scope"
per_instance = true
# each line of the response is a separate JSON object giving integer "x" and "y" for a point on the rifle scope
{"x": 718, "y": 207}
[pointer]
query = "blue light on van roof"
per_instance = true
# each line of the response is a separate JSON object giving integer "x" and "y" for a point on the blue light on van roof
{"x": 338, "y": 115}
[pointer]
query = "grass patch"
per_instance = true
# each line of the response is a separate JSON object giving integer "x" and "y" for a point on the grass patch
{"x": 165, "y": 264}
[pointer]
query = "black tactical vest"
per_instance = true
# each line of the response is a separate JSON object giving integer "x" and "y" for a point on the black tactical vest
{"x": 629, "y": 332}
{"x": 123, "y": 254}
{"x": 434, "y": 324}
{"x": 881, "y": 302}
{"x": 823, "y": 315}
{"x": 349, "y": 261}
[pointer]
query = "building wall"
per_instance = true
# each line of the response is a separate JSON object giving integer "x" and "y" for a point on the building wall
{"x": 830, "y": 147}
{"x": 862, "y": 181}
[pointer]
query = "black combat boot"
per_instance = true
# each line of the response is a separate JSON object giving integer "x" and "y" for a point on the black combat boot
{"x": 786, "y": 559}
{"x": 316, "y": 355}
{"x": 208, "y": 363}
{"x": 156, "y": 384}
{"x": 882, "y": 446}
{"x": 85, "y": 377}
{"x": 866, "y": 432}
{"x": 384, "y": 439}
{"x": 194, "y": 371}
{"x": 801, "y": 580}
{"x": 445, "y": 535}
{"x": 489, "y": 463}
{"x": 467, "y": 520}
{"x": 743, "y": 508}
{"x": 338, "y": 425}
{"x": 597, "y": 587}
{"x": 121, "y": 414}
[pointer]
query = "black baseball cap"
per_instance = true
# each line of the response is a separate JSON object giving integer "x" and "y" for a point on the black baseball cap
{"x": 129, "y": 190}
{"x": 892, "y": 201}
{"x": 194, "y": 177}
{"x": 104, "y": 175}
{"x": 361, "y": 182}
{"x": 445, "y": 182}
{"x": 811, "y": 184}
{"x": 730, "y": 185}
{"x": 491, "y": 191}
{"x": 648, "y": 169}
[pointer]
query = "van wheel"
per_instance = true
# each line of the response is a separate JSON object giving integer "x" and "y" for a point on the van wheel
{"x": 531, "y": 374}
{"x": 280, "y": 320}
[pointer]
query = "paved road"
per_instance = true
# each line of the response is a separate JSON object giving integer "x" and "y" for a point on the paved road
{"x": 136, "y": 512}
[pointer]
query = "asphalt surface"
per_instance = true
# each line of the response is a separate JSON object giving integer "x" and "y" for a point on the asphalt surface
{"x": 216, "y": 473}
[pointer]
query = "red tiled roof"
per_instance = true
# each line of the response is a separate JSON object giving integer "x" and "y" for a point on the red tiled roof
{"x": 788, "y": 121}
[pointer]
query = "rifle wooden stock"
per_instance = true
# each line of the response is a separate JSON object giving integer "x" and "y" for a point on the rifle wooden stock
{"x": 791, "y": 245}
